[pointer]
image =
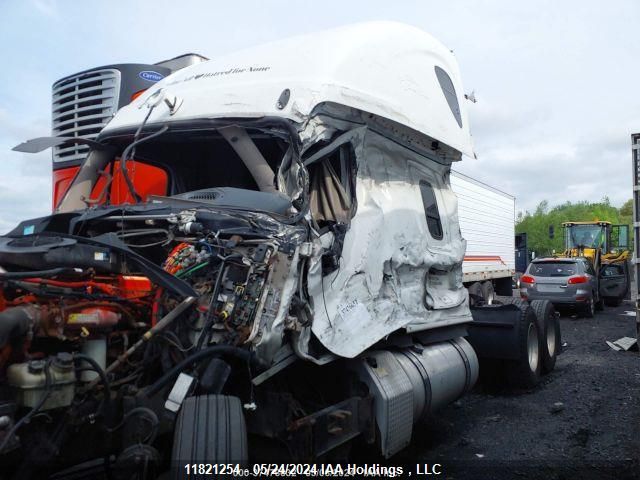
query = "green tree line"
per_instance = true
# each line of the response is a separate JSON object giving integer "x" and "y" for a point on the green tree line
{"x": 536, "y": 225}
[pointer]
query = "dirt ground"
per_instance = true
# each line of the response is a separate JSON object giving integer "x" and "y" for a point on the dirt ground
{"x": 594, "y": 434}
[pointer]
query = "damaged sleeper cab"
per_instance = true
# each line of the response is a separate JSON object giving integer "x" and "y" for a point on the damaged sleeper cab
{"x": 288, "y": 267}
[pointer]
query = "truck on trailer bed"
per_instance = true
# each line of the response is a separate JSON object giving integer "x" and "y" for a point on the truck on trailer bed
{"x": 260, "y": 249}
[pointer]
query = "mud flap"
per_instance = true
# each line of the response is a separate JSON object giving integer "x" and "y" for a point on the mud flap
{"x": 494, "y": 333}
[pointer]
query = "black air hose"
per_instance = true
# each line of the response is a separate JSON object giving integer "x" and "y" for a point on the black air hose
{"x": 106, "y": 399}
{"x": 216, "y": 350}
{"x": 144, "y": 412}
{"x": 15, "y": 323}
{"x": 38, "y": 273}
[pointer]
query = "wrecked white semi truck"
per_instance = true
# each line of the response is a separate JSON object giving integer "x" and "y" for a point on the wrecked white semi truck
{"x": 284, "y": 263}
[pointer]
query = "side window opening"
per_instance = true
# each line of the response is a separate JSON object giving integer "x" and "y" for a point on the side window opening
{"x": 431, "y": 210}
{"x": 612, "y": 270}
{"x": 332, "y": 199}
{"x": 340, "y": 164}
{"x": 449, "y": 92}
{"x": 332, "y": 187}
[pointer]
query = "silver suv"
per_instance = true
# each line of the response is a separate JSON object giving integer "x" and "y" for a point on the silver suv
{"x": 566, "y": 282}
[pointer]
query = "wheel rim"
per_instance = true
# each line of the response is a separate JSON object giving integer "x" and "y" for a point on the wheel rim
{"x": 592, "y": 306}
{"x": 491, "y": 298}
{"x": 551, "y": 338}
{"x": 533, "y": 347}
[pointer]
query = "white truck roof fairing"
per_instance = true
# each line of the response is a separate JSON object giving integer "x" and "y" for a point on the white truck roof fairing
{"x": 389, "y": 69}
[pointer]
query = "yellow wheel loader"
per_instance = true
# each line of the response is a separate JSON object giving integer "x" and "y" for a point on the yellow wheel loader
{"x": 607, "y": 247}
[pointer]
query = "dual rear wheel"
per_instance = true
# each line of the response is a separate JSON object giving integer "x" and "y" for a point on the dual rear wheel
{"x": 482, "y": 292}
{"x": 549, "y": 325}
{"x": 539, "y": 343}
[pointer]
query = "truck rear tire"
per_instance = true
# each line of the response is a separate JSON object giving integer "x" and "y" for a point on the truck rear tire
{"x": 210, "y": 429}
{"x": 550, "y": 327}
{"x": 525, "y": 371}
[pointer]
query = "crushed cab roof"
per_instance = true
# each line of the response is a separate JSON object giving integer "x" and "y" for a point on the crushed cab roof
{"x": 384, "y": 68}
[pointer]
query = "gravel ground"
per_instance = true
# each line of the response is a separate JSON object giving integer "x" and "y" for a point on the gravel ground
{"x": 595, "y": 433}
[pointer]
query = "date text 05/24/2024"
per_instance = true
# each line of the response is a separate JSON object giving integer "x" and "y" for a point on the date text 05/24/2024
{"x": 313, "y": 470}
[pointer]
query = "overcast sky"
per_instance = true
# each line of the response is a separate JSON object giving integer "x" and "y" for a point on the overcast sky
{"x": 556, "y": 82}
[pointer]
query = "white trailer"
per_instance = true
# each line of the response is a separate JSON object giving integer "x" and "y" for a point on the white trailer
{"x": 487, "y": 223}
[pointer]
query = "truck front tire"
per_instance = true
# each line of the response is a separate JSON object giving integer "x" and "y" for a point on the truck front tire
{"x": 210, "y": 429}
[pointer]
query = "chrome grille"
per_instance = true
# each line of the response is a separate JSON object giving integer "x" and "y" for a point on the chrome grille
{"x": 82, "y": 105}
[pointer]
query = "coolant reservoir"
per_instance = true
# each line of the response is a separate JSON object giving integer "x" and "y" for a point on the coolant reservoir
{"x": 29, "y": 380}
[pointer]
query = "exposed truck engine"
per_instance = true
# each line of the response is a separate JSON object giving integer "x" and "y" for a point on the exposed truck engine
{"x": 283, "y": 264}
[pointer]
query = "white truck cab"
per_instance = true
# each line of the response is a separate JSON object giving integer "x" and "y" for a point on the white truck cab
{"x": 387, "y": 100}
{"x": 304, "y": 222}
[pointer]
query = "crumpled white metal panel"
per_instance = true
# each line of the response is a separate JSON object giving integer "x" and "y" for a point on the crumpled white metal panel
{"x": 388, "y": 253}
